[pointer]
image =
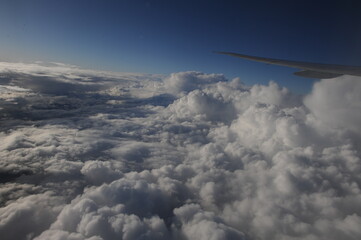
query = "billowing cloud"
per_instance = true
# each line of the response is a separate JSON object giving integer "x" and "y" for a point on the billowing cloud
{"x": 185, "y": 82}
{"x": 100, "y": 155}
{"x": 336, "y": 103}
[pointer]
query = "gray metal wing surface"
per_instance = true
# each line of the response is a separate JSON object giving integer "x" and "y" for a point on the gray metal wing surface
{"x": 310, "y": 70}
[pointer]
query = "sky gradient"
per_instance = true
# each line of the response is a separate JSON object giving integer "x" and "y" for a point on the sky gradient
{"x": 169, "y": 145}
{"x": 172, "y": 36}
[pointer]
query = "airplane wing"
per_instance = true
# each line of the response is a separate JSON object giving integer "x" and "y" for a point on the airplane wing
{"x": 310, "y": 70}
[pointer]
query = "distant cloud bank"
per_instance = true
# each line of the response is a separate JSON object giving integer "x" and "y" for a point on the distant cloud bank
{"x": 100, "y": 155}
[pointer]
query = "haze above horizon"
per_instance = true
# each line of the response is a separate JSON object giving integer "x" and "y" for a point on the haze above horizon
{"x": 165, "y": 37}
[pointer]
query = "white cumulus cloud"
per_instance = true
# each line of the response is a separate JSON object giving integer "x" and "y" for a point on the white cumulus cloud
{"x": 100, "y": 155}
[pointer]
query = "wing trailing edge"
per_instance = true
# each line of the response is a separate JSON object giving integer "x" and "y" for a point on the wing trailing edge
{"x": 314, "y": 74}
{"x": 310, "y": 70}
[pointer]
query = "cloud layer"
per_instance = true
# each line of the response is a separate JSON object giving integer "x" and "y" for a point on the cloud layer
{"x": 99, "y": 155}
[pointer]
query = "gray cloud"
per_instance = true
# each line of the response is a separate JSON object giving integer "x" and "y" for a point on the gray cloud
{"x": 101, "y": 155}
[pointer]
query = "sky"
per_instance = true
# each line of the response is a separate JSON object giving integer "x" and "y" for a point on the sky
{"x": 172, "y": 36}
{"x": 117, "y": 121}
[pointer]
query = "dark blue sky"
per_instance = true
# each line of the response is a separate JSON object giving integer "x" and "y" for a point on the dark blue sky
{"x": 168, "y": 36}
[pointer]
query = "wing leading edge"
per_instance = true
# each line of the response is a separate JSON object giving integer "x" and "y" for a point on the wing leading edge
{"x": 310, "y": 70}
